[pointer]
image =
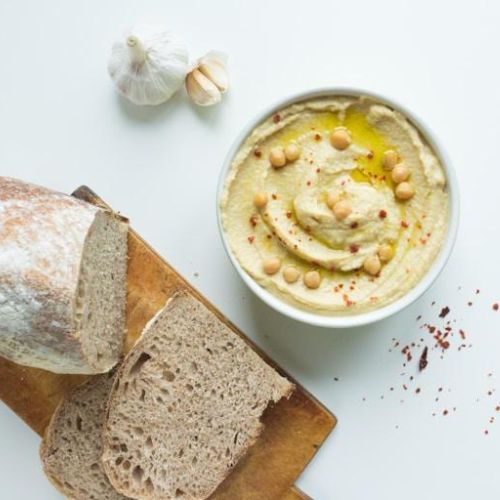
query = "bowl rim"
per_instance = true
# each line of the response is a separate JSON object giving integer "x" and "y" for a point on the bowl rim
{"x": 344, "y": 320}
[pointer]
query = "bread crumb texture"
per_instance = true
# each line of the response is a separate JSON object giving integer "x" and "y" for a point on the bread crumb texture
{"x": 186, "y": 405}
{"x": 72, "y": 446}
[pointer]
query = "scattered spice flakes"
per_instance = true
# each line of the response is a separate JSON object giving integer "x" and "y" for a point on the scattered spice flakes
{"x": 336, "y": 379}
{"x": 444, "y": 312}
{"x": 354, "y": 225}
{"x": 417, "y": 390}
{"x": 251, "y": 239}
{"x": 257, "y": 152}
{"x": 495, "y": 306}
{"x": 382, "y": 214}
{"x": 354, "y": 248}
{"x": 445, "y": 412}
{"x": 419, "y": 317}
{"x": 404, "y": 224}
{"x": 423, "y": 362}
{"x": 462, "y": 334}
{"x": 317, "y": 137}
{"x": 469, "y": 304}
{"x": 276, "y": 118}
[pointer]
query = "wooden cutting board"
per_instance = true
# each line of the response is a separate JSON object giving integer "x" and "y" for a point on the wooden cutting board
{"x": 294, "y": 429}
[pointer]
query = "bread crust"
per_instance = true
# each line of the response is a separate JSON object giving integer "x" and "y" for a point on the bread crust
{"x": 42, "y": 237}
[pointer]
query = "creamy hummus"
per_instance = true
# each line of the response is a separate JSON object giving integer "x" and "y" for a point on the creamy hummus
{"x": 295, "y": 227}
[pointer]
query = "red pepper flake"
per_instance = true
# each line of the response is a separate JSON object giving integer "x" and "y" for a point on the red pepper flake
{"x": 444, "y": 344}
{"x": 274, "y": 196}
{"x": 289, "y": 215}
{"x": 423, "y": 362}
{"x": 404, "y": 224}
{"x": 497, "y": 408}
{"x": 444, "y": 312}
{"x": 354, "y": 225}
{"x": 405, "y": 387}
{"x": 318, "y": 170}
{"x": 382, "y": 214}
{"x": 445, "y": 412}
{"x": 251, "y": 239}
{"x": 354, "y": 248}
{"x": 269, "y": 236}
{"x": 317, "y": 137}
{"x": 277, "y": 118}
{"x": 462, "y": 334}
{"x": 347, "y": 301}
{"x": 257, "y": 152}
{"x": 495, "y": 306}
{"x": 478, "y": 291}
{"x": 253, "y": 220}
{"x": 308, "y": 183}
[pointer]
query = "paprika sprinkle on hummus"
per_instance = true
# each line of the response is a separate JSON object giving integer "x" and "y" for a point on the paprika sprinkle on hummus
{"x": 357, "y": 205}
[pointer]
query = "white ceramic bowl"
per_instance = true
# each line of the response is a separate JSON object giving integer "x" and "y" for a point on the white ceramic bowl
{"x": 344, "y": 321}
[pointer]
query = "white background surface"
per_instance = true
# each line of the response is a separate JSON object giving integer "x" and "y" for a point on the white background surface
{"x": 61, "y": 125}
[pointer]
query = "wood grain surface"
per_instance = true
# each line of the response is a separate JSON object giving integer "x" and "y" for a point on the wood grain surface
{"x": 294, "y": 429}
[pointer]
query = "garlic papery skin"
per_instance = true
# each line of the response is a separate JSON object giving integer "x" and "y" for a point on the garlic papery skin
{"x": 148, "y": 65}
{"x": 209, "y": 79}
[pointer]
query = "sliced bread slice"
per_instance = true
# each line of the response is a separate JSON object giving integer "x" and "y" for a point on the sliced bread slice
{"x": 72, "y": 445}
{"x": 185, "y": 406}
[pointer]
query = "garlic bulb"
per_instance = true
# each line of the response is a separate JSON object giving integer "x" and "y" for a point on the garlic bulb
{"x": 148, "y": 65}
{"x": 208, "y": 80}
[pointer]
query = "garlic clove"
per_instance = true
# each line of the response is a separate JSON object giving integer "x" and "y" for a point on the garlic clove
{"x": 214, "y": 66}
{"x": 201, "y": 89}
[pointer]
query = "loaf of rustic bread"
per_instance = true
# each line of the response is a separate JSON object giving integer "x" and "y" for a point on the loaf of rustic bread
{"x": 185, "y": 406}
{"x": 71, "y": 448}
{"x": 62, "y": 280}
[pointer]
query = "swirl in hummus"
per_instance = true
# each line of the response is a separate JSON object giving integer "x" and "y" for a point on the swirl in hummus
{"x": 336, "y": 205}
